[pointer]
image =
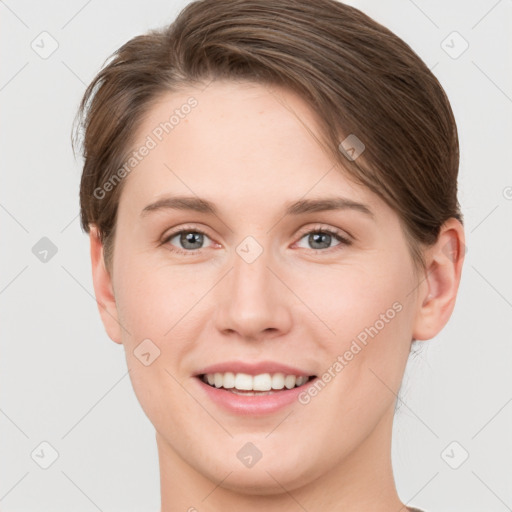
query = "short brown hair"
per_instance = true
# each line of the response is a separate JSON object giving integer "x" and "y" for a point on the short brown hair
{"x": 356, "y": 75}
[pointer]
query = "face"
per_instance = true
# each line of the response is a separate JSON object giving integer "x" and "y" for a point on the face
{"x": 257, "y": 287}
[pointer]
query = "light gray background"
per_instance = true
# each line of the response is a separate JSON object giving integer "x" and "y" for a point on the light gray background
{"x": 63, "y": 381}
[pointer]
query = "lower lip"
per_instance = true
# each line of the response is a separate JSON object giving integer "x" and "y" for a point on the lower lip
{"x": 253, "y": 405}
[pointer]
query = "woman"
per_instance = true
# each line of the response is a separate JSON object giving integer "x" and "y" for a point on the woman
{"x": 270, "y": 191}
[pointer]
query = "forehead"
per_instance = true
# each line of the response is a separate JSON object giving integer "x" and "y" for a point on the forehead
{"x": 245, "y": 143}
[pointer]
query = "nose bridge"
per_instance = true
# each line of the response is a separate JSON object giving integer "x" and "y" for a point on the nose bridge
{"x": 254, "y": 300}
{"x": 250, "y": 274}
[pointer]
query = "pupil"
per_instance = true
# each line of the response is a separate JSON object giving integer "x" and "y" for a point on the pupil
{"x": 189, "y": 238}
{"x": 316, "y": 237}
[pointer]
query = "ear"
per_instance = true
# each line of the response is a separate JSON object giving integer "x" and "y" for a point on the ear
{"x": 436, "y": 299}
{"x": 103, "y": 288}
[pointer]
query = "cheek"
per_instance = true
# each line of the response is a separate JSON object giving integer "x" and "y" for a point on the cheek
{"x": 371, "y": 317}
{"x": 153, "y": 301}
{"x": 161, "y": 308}
{"x": 163, "y": 399}
{"x": 357, "y": 299}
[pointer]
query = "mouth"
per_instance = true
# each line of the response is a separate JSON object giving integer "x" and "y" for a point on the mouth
{"x": 244, "y": 388}
{"x": 262, "y": 384}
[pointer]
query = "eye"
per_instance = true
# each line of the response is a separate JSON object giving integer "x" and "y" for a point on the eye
{"x": 189, "y": 241}
{"x": 321, "y": 238}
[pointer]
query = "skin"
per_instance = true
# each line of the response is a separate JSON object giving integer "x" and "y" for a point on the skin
{"x": 247, "y": 148}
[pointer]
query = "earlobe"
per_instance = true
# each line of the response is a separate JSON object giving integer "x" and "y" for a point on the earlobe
{"x": 103, "y": 288}
{"x": 439, "y": 291}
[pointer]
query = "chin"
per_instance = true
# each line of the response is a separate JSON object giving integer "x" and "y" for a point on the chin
{"x": 260, "y": 483}
{"x": 266, "y": 477}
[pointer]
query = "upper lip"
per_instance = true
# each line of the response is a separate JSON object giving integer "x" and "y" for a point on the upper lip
{"x": 254, "y": 368}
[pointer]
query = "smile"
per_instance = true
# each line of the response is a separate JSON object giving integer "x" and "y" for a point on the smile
{"x": 247, "y": 395}
{"x": 249, "y": 385}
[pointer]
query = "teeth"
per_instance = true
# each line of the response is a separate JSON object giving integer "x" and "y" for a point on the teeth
{"x": 278, "y": 381}
{"x": 242, "y": 381}
{"x": 261, "y": 382}
{"x": 228, "y": 381}
{"x": 289, "y": 381}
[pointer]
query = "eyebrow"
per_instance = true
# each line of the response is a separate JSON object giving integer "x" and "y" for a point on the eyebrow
{"x": 295, "y": 208}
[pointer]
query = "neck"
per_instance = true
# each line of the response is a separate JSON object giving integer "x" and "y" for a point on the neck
{"x": 362, "y": 482}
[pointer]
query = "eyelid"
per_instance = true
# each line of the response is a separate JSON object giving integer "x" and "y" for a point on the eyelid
{"x": 303, "y": 231}
{"x": 183, "y": 227}
{"x": 347, "y": 237}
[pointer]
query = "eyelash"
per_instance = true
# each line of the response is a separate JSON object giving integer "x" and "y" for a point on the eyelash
{"x": 317, "y": 229}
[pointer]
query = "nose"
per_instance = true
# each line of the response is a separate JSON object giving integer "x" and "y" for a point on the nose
{"x": 253, "y": 302}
